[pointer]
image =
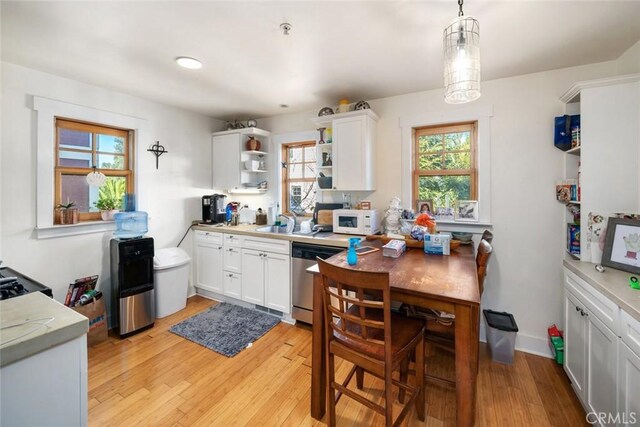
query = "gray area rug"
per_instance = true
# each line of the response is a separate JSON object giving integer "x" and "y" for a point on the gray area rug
{"x": 225, "y": 328}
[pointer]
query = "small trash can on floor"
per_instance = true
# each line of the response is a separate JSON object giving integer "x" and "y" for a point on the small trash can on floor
{"x": 501, "y": 335}
{"x": 171, "y": 274}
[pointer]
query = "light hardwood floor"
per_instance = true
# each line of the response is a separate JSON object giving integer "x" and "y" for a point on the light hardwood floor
{"x": 158, "y": 378}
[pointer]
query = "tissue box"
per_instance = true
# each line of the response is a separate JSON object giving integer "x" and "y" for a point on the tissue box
{"x": 437, "y": 244}
{"x": 394, "y": 248}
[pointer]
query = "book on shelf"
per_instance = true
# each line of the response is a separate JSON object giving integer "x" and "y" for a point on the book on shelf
{"x": 573, "y": 239}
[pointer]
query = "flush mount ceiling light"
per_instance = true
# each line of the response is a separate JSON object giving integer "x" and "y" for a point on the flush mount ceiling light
{"x": 190, "y": 63}
{"x": 96, "y": 178}
{"x": 462, "y": 59}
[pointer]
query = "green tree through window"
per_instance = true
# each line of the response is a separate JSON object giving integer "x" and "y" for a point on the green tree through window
{"x": 444, "y": 167}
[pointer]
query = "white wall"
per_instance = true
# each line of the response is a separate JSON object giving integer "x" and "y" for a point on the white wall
{"x": 171, "y": 195}
{"x": 526, "y": 270}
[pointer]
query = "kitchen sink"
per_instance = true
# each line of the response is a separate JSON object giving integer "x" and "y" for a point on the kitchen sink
{"x": 272, "y": 229}
{"x": 283, "y": 230}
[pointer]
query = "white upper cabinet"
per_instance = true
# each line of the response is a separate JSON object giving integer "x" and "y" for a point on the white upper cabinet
{"x": 236, "y": 167}
{"x": 352, "y": 150}
{"x": 225, "y": 151}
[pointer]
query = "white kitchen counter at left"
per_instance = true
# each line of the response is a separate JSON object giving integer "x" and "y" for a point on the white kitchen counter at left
{"x": 40, "y": 323}
{"x": 43, "y": 363}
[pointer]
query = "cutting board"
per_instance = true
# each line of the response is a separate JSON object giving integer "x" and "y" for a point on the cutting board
{"x": 325, "y": 217}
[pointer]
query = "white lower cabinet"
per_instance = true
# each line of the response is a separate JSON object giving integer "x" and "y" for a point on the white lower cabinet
{"x": 253, "y": 276}
{"x": 277, "y": 283}
{"x": 575, "y": 344}
{"x": 256, "y": 270}
{"x": 604, "y": 371}
{"x": 233, "y": 285}
{"x": 209, "y": 261}
{"x": 602, "y": 366}
{"x": 629, "y": 386}
{"x": 232, "y": 259}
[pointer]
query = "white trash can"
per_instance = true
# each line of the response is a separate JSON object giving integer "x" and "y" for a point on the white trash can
{"x": 171, "y": 274}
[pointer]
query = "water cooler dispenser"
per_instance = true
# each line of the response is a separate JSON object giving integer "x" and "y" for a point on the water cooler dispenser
{"x": 132, "y": 284}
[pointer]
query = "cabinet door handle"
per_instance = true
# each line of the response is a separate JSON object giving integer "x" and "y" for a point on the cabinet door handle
{"x": 219, "y": 247}
{"x": 577, "y": 308}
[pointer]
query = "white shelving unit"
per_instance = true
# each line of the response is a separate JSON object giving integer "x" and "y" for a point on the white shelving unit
{"x": 229, "y": 154}
{"x": 351, "y": 150}
{"x": 609, "y": 152}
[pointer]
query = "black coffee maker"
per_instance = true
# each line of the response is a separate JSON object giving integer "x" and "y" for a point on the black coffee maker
{"x": 213, "y": 209}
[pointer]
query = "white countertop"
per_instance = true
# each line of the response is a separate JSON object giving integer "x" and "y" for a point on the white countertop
{"x": 326, "y": 239}
{"x": 614, "y": 284}
{"x": 41, "y": 323}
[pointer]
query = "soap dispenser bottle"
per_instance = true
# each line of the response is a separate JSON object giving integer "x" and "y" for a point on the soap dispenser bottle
{"x": 352, "y": 256}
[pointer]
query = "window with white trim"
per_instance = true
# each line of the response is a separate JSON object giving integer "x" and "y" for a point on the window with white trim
{"x": 80, "y": 146}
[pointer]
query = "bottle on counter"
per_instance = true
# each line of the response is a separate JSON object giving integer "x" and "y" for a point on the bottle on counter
{"x": 352, "y": 256}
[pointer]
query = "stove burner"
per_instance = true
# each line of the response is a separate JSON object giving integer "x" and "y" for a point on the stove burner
{"x": 12, "y": 289}
{"x": 13, "y": 284}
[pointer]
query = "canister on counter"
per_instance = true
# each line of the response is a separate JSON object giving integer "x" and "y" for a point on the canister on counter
{"x": 261, "y": 217}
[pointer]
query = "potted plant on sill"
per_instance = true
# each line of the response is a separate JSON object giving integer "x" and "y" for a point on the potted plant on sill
{"x": 67, "y": 213}
{"x": 108, "y": 207}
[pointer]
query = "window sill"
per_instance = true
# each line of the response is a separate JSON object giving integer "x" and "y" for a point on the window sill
{"x": 86, "y": 227}
{"x": 460, "y": 226}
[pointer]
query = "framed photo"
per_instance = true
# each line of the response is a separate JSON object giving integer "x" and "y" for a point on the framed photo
{"x": 622, "y": 245}
{"x": 466, "y": 210}
{"x": 444, "y": 214}
{"x": 425, "y": 206}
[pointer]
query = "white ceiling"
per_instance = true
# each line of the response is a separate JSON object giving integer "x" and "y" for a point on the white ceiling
{"x": 359, "y": 50}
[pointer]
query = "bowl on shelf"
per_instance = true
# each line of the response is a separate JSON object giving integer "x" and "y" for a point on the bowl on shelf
{"x": 325, "y": 182}
{"x": 462, "y": 237}
{"x": 252, "y": 165}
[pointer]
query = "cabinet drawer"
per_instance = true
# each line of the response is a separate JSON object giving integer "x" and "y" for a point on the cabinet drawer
{"x": 212, "y": 237}
{"x": 232, "y": 259}
{"x": 234, "y": 240}
{"x": 601, "y": 307}
{"x": 630, "y": 332}
{"x": 267, "y": 245}
{"x": 233, "y": 285}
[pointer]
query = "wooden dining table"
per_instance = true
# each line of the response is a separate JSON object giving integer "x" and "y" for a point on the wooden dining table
{"x": 446, "y": 283}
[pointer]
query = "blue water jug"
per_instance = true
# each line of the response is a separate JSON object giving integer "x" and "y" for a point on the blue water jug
{"x": 130, "y": 225}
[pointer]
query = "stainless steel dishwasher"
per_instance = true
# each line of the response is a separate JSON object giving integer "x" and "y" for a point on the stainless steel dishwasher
{"x": 303, "y": 256}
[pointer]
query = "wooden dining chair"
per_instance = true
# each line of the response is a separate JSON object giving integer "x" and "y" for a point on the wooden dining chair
{"x": 487, "y": 235}
{"x": 360, "y": 328}
{"x": 441, "y": 333}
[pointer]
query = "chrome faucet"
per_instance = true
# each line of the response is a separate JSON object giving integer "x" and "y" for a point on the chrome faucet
{"x": 291, "y": 222}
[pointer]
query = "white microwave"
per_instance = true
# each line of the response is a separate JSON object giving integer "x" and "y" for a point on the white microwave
{"x": 354, "y": 221}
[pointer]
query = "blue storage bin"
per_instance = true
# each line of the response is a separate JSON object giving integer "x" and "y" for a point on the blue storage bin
{"x": 131, "y": 224}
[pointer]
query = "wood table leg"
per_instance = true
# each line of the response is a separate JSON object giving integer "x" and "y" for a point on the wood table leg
{"x": 467, "y": 348}
{"x": 318, "y": 377}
